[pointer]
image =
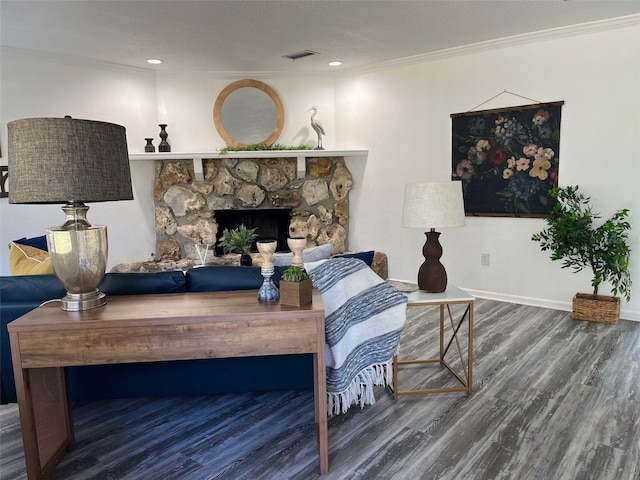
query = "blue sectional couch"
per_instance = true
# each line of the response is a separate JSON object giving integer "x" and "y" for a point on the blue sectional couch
{"x": 20, "y": 294}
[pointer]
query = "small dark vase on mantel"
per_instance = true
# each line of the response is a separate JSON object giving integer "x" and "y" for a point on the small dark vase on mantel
{"x": 149, "y": 148}
{"x": 246, "y": 260}
{"x": 164, "y": 145}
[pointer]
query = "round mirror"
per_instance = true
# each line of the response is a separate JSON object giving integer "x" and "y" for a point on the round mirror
{"x": 248, "y": 112}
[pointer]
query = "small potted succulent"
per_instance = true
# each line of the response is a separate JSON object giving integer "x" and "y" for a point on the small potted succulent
{"x": 239, "y": 240}
{"x": 295, "y": 287}
{"x": 572, "y": 237}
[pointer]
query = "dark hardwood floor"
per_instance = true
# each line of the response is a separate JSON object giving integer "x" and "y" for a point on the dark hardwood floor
{"x": 553, "y": 399}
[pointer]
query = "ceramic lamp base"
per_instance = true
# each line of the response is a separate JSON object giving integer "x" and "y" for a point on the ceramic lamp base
{"x": 432, "y": 277}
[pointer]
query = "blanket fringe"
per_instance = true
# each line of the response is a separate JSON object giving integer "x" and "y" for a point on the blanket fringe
{"x": 360, "y": 390}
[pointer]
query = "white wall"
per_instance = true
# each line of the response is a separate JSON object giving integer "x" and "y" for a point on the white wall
{"x": 34, "y": 86}
{"x": 403, "y": 116}
{"x": 185, "y": 103}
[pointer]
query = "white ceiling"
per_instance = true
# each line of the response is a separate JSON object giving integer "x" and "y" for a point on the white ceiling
{"x": 253, "y": 36}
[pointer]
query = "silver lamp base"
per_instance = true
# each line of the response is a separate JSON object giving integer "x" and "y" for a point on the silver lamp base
{"x": 76, "y": 302}
{"x": 78, "y": 253}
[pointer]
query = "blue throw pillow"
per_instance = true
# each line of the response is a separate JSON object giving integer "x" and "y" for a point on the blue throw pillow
{"x": 36, "y": 242}
{"x": 366, "y": 257}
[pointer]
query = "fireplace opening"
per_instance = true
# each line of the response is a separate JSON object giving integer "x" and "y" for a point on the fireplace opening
{"x": 271, "y": 224}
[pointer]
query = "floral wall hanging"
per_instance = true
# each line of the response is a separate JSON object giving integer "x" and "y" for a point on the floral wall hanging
{"x": 507, "y": 159}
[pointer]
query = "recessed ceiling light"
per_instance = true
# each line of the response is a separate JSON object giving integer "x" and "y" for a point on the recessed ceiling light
{"x": 154, "y": 61}
{"x": 335, "y": 63}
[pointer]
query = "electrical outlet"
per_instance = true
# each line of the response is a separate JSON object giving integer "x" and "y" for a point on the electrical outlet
{"x": 485, "y": 259}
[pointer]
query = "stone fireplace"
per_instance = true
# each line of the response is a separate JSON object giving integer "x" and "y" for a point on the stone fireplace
{"x": 315, "y": 206}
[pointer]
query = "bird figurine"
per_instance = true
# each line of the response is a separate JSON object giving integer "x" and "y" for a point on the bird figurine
{"x": 317, "y": 126}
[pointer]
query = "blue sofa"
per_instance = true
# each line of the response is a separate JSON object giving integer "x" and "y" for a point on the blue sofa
{"x": 20, "y": 294}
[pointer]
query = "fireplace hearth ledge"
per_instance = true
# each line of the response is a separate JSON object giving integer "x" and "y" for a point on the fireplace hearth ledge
{"x": 152, "y": 265}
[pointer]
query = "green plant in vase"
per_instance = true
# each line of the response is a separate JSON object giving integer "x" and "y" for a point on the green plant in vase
{"x": 572, "y": 237}
{"x": 294, "y": 274}
{"x": 238, "y": 240}
{"x": 295, "y": 287}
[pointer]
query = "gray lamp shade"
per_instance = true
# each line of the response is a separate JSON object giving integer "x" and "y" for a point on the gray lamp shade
{"x": 59, "y": 160}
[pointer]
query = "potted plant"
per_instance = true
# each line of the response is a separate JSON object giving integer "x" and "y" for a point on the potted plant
{"x": 238, "y": 240}
{"x": 295, "y": 287}
{"x": 572, "y": 237}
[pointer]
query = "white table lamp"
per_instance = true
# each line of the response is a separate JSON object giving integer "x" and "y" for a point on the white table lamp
{"x": 433, "y": 205}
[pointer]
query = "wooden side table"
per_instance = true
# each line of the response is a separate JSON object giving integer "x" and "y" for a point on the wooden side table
{"x": 451, "y": 296}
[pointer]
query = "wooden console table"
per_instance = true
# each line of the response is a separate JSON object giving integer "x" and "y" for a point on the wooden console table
{"x": 145, "y": 328}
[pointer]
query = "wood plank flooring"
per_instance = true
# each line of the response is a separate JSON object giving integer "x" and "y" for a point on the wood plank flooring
{"x": 553, "y": 398}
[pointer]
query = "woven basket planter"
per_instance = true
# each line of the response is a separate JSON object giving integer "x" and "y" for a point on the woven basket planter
{"x": 296, "y": 294}
{"x": 596, "y": 308}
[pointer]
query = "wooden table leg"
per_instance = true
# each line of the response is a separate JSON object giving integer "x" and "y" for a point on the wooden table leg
{"x": 470, "y": 354}
{"x": 442, "y": 352}
{"x": 320, "y": 397}
{"x": 394, "y": 383}
{"x": 45, "y": 416}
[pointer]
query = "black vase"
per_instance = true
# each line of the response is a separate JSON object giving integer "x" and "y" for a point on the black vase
{"x": 246, "y": 260}
{"x": 149, "y": 148}
{"x": 164, "y": 145}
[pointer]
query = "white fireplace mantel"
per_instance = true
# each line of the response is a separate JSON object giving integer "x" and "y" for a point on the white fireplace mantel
{"x": 248, "y": 154}
{"x": 197, "y": 157}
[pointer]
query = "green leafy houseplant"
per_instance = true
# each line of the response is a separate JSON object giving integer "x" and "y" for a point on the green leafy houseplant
{"x": 237, "y": 240}
{"x": 572, "y": 237}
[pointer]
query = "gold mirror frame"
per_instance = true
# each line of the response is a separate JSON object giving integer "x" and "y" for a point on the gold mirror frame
{"x": 247, "y": 83}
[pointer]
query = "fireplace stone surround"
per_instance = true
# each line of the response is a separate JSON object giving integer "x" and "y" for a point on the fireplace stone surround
{"x": 185, "y": 206}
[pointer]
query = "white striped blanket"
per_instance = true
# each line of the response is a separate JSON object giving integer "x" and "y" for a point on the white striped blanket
{"x": 364, "y": 319}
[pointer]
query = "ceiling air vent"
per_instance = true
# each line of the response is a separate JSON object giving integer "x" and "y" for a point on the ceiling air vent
{"x": 302, "y": 54}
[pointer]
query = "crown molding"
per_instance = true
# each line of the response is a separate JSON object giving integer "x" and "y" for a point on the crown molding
{"x": 235, "y": 75}
{"x": 83, "y": 62}
{"x": 87, "y": 62}
{"x": 628, "y": 21}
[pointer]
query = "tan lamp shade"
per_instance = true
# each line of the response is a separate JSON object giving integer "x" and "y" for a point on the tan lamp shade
{"x": 433, "y": 205}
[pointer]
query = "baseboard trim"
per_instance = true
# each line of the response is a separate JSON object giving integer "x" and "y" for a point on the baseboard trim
{"x": 541, "y": 302}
